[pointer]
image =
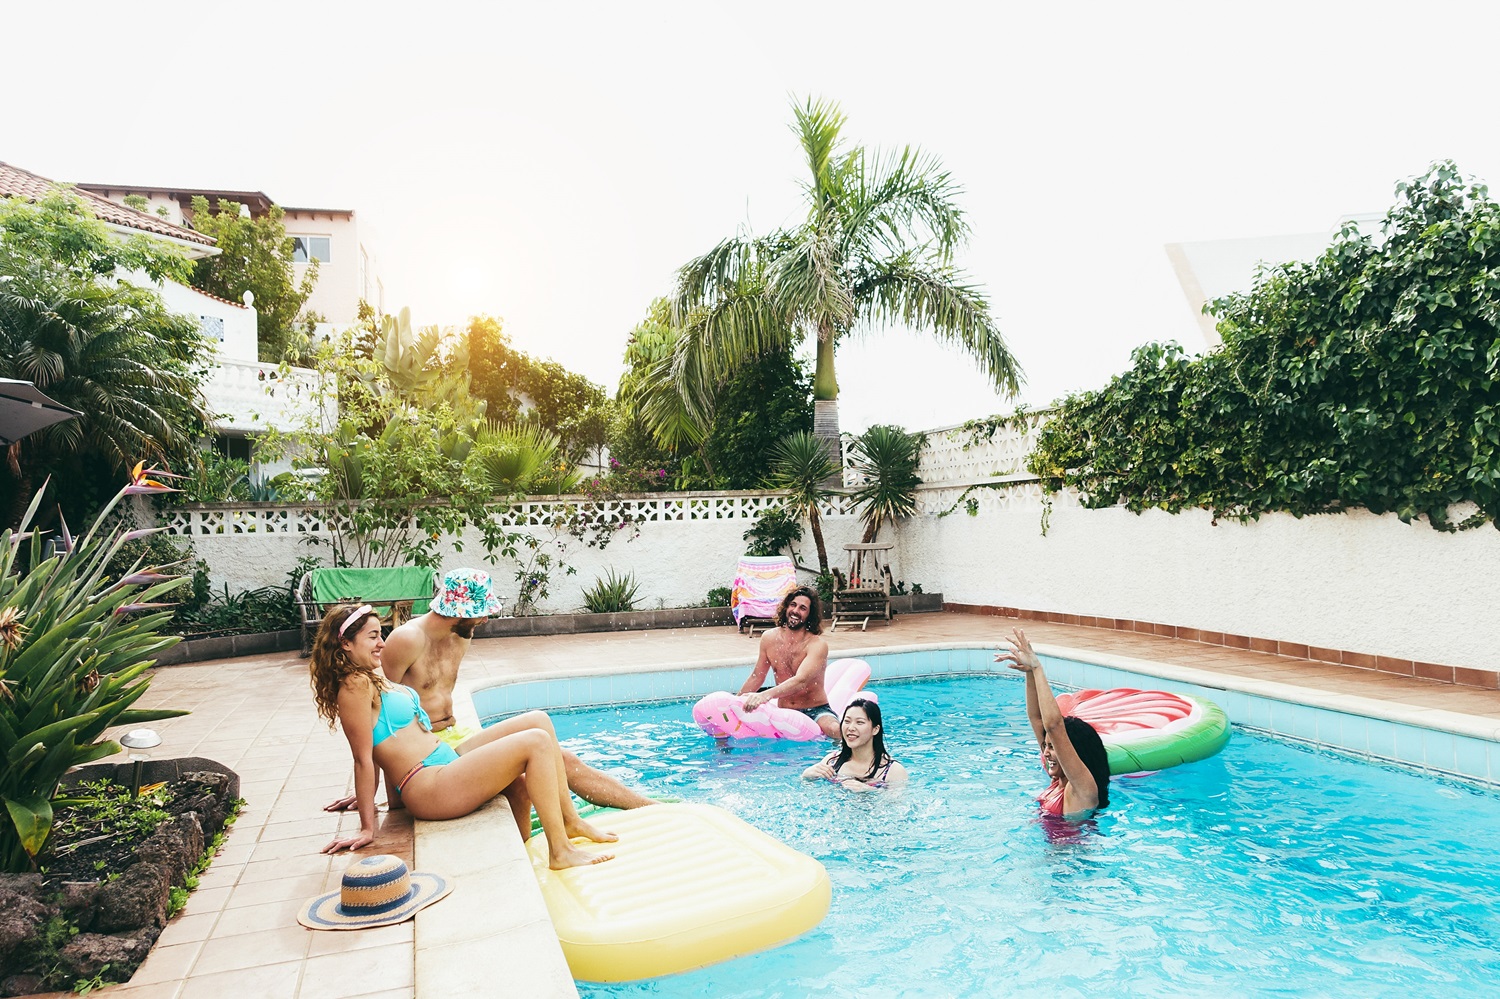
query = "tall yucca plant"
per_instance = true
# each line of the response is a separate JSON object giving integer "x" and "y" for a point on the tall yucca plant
{"x": 886, "y": 458}
{"x": 74, "y": 649}
{"x": 801, "y": 466}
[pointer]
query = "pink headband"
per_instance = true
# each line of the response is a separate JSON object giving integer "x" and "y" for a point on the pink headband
{"x": 354, "y": 615}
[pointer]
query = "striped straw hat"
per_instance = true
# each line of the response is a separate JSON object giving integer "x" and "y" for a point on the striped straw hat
{"x": 376, "y": 891}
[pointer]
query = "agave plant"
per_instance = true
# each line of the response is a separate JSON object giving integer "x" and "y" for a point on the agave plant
{"x": 74, "y": 649}
{"x": 612, "y": 594}
{"x": 886, "y": 458}
{"x": 800, "y": 464}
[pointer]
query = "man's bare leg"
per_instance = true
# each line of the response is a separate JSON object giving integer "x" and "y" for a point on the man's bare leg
{"x": 520, "y": 806}
{"x": 598, "y": 787}
{"x": 830, "y": 726}
{"x": 593, "y": 786}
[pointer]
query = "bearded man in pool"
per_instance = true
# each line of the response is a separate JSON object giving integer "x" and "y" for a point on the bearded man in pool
{"x": 795, "y": 651}
{"x": 425, "y": 653}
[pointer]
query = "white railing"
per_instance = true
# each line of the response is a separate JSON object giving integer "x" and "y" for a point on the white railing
{"x": 246, "y": 395}
{"x": 274, "y": 518}
{"x": 953, "y": 456}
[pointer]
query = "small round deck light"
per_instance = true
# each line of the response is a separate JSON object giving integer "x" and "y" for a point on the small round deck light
{"x": 135, "y": 740}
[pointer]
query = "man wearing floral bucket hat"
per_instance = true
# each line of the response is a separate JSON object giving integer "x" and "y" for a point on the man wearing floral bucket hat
{"x": 425, "y": 654}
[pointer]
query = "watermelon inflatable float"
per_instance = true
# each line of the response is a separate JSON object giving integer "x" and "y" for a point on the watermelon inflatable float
{"x": 1150, "y": 729}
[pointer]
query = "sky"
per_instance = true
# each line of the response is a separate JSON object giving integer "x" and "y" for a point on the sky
{"x": 555, "y": 164}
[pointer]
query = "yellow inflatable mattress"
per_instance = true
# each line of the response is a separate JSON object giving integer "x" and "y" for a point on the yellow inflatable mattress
{"x": 690, "y": 885}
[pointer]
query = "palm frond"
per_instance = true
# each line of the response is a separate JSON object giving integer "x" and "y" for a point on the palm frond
{"x": 889, "y": 197}
{"x": 906, "y": 291}
{"x": 806, "y": 281}
{"x": 817, "y": 124}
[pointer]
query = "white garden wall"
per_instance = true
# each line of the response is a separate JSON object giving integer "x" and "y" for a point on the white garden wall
{"x": 689, "y": 544}
{"x": 1353, "y": 582}
{"x": 1356, "y": 581}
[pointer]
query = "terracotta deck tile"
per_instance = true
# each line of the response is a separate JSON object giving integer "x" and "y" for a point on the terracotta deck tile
{"x": 277, "y": 890}
{"x": 169, "y": 963}
{"x": 273, "y": 946}
{"x": 247, "y": 919}
{"x": 268, "y": 980}
{"x": 324, "y": 943}
{"x": 335, "y": 976}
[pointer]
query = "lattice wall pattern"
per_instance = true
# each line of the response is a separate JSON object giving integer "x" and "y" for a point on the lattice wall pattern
{"x": 278, "y": 519}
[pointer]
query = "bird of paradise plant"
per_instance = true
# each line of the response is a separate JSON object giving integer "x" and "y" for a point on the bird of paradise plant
{"x": 75, "y": 647}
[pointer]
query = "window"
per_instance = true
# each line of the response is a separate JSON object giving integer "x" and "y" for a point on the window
{"x": 235, "y": 446}
{"x": 305, "y": 248}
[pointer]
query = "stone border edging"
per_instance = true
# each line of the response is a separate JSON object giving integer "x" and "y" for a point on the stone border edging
{"x": 196, "y": 650}
{"x": 1464, "y": 676}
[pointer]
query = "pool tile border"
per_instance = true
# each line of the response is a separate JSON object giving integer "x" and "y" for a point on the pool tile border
{"x": 1464, "y": 676}
{"x": 1453, "y": 743}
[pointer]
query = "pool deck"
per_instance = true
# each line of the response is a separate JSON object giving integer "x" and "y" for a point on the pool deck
{"x": 239, "y": 933}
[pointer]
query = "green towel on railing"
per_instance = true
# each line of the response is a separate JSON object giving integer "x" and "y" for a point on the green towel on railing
{"x": 402, "y": 582}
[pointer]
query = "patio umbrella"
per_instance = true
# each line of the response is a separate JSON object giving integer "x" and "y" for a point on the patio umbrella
{"x": 24, "y": 409}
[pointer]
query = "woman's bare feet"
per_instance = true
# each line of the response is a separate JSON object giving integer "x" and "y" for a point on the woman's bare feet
{"x": 570, "y": 856}
{"x": 579, "y": 828}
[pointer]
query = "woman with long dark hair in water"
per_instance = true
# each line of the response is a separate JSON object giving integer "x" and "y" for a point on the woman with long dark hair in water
{"x": 1072, "y": 752}
{"x": 862, "y": 762}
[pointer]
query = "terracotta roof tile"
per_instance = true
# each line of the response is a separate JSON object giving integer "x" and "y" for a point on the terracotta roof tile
{"x": 15, "y": 182}
{"x": 216, "y": 298}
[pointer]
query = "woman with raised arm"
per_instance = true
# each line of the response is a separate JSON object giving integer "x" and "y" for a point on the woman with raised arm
{"x": 1072, "y": 752}
{"x": 387, "y": 729}
{"x": 861, "y": 762}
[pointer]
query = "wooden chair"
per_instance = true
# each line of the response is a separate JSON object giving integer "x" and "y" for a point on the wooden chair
{"x": 867, "y": 593}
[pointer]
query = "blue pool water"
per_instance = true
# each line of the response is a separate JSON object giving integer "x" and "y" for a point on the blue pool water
{"x": 1271, "y": 869}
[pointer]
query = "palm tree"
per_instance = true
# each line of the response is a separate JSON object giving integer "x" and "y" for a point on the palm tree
{"x": 114, "y": 353}
{"x": 801, "y": 466}
{"x": 886, "y": 457}
{"x": 876, "y": 249}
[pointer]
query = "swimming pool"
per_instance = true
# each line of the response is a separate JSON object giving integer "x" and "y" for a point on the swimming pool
{"x": 1274, "y": 867}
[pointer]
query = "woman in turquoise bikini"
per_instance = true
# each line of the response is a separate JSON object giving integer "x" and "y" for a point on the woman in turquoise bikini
{"x": 387, "y": 728}
{"x": 861, "y": 763}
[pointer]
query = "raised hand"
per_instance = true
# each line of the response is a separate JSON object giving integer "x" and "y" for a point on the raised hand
{"x": 1020, "y": 656}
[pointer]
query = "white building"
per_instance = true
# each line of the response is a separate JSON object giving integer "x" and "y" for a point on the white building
{"x": 246, "y": 396}
{"x": 348, "y": 270}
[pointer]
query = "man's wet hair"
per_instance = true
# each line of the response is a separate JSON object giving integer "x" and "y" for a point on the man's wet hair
{"x": 814, "y": 624}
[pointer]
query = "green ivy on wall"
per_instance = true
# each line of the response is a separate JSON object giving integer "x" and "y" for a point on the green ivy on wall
{"x": 1365, "y": 378}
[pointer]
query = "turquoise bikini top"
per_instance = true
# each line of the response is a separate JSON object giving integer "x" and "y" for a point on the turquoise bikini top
{"x": 397, "y": 712}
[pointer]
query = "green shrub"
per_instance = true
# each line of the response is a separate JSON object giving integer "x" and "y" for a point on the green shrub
{"x": 74, "y": 650}
{"x": 1366, "y": 378}
{"x": 719, "y": 596}
{"x": 611, "y": 594}
{"x": 774, "y": 532}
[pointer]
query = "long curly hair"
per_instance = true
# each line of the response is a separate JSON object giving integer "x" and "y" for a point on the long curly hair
{"x": 814, "y": 625}
{"x": 330, "y": 665}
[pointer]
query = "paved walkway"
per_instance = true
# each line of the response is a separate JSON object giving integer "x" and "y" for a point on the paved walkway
{"x": 239, "y": 935}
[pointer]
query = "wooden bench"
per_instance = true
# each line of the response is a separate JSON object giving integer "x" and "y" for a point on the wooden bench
{"x": 397, "y": 593}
